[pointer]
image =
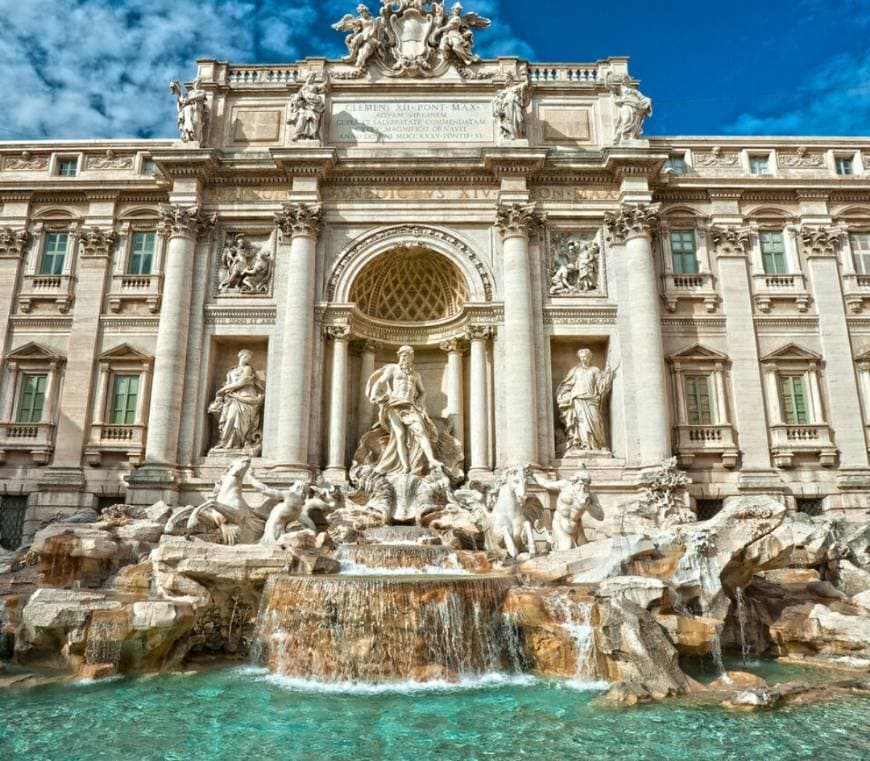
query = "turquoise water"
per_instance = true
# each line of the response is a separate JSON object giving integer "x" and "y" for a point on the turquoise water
{"x": 240, "y": 714}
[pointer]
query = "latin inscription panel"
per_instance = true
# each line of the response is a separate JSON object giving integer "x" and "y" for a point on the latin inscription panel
{"x": 413, "y": 121}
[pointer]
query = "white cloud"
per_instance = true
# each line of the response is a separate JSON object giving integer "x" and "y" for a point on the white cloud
{"x": 835, "y": 100}
{"x": 98, "y": 68}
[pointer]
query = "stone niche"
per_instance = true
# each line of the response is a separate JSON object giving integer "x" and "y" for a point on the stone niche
{"x": 563, "y": 357}
{"x": 223, "y": 357}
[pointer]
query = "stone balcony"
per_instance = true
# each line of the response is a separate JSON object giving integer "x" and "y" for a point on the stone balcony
{"x": 769, "y": 288}
{"x": 695, "y": 441}
{"x": 856, "y": 290}
{"x": 697, "y": 286}
{"x": 790, "y": 441}
{"x": 35, "y": 438}
{"x": 42, "y": 288}
{"x": 124, "y": 440}
{"x": 135, "y": 288}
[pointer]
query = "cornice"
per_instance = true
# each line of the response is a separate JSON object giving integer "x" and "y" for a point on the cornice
{"x": 317, "y": 162}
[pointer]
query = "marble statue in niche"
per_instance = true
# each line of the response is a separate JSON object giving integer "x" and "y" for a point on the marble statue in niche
{"x": 574, "y": 265}
{"x": 246, "y": 270}
{"x": 582, "y": 400}
{"x": 633, "y": 107}
{"x": 239, "y": 405}
{"x": 509, "y": 108}
{"x": 307, "y": 107}
{"x": 191, "y": 106}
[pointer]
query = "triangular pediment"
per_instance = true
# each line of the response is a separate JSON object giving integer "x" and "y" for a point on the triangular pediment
{"x": 124, "y": 352}
{"x": 699, "y": 352}
{"x": 792, "y": 351}
{"x": 34, "y": 351}
{"x": 864, "y": 356}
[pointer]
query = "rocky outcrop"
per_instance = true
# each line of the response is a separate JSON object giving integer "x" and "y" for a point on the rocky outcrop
{"x": 590, "y": 563}
{"x": 71, "y": 629}
{"x": 78, "y": 554}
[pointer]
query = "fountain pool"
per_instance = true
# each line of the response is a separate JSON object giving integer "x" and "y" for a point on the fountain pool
{"x": 246, "y": 713}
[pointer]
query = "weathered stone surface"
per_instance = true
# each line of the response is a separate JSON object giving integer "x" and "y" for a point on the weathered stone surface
{"x": 753, "y": 699}
{"x": 629, "y": 693}
{"x": 81, "y": 554}
{"x": 862, "y": 600}
{"x": 815, "y": 629}
{"x": 851, "y": 579}
{"x": 802, "y": 576}
{"x": 735, "y": 680}
{"x": 590, "y": 563}
{"x": 159, "y": 512}
{"x": 641, "y": 590}
{"x": 141, "y": 531}
{"x": 691, "y": 636}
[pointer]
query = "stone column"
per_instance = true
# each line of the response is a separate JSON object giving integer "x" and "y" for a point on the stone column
{"x": 183, "y": 225}
{"x": 365, "y": 410}
{"x": 300, "y": 224}
{"x": 13, "y": 244}
{"x": 102, "y": 395}
{"x": 516, "y": 222}
{"x": 338, "y": 402}
{"x": 632, "y": 227}
{"x": 478, "y": 403}
{"x": 844, "y": 400}
{"x": 455, "y": 348}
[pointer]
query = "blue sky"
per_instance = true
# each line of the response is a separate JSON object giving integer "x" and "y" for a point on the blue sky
{"x": 96, "y": 68}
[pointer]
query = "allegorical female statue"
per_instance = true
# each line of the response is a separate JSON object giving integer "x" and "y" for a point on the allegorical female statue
{"x": 239, "y": 404}
{"x": 633, "y": 107}
{"x": 582, "y": 398}
{"x": 509, "y": 107}
{"x": 405, "y": 439}
{"x": 191, "y": 106}
{"x": 306, "y": 109}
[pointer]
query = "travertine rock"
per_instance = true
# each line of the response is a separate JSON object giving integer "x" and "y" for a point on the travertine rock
{"x": 736, "y": 680}
{"x": 690, "y": 635}
{"x": 851, "y": 579}
{"x": 641, "y": 590}
{"x": 590, "y": 563}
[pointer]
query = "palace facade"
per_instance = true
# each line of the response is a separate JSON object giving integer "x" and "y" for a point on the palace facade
{"x": 322, "y": 214}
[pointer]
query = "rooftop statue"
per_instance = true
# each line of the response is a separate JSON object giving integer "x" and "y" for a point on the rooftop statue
{"x": 307, "y": 107}
{"x": 415, "y": 37}
{"x": 191, "y": 110}
{"x": 509, "y": 108}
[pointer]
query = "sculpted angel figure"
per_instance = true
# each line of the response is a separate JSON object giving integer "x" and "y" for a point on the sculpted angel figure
{"x": 239, "y": 403}
{"x": 307, "y": 107}
{"x": 509, "y": 107}
{"x": 191, "y": 110}
{"x": 398, "y": 391}
{"x": 633, "y": 107}
{"x": 456, "y": 35}
{"x": 365, "y": 38}
{"x": 581, "y": 398}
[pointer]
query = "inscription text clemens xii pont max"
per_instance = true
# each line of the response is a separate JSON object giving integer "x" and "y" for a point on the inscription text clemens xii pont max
{"x": 411, "y": 122}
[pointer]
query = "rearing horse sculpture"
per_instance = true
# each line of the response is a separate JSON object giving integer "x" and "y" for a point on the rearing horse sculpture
{"x": 509, "y": 528}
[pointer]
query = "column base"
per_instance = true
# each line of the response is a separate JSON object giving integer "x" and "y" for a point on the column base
{"x": 152, "y": 483}
{"x": 335, "y": 474}
{"x": 290, "y": 471}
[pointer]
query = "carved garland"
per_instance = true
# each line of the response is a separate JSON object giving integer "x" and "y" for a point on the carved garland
{"x": 420, "y": 234}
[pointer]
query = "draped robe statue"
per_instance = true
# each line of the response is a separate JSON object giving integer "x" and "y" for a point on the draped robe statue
{"x": 581, "y": 398}
{"x": 239, "y": 404}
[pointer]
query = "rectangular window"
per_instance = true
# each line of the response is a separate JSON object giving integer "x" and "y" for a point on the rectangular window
{"x": 124, "y": 394}
{"x": 698, "y": 394}
{"x": 149, "y": 167}
{"x": 793, "y": 399}
{"x": 773, "y": 253}
{"x": 677, "y": 164}
{"x": 759, "y": 164}
{"x": 67, "y": 167}
{"x": 844, "y": 165}
{"x": 142, "y": 253}
{"x": 54, "y": 253}
{"x": 31, "y": 398}
{"x": 683, "y": 251}
{"x": 860, "y": 244}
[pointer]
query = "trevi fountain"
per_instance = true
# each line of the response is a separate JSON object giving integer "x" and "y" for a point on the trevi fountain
{"x": 580, "y": 545}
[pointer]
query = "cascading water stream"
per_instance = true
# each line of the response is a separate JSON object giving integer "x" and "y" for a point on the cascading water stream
{"x": 575, "y": 617}
{"x": 385, "y": 628}
{"x": 741, "y": 622}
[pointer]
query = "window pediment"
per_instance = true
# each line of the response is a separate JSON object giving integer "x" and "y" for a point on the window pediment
{"x": 34, "y": 352}
{"x": 124, "y": 353}
{"x": 698, "y": 353}
{"x": 792, "y": 352}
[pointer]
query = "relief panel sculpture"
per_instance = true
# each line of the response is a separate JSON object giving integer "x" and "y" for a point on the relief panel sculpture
{"x": 246, "y": 268}
{"x": 575, "y": 263}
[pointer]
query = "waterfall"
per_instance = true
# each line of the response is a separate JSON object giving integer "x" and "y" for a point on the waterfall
{"x": 410, "y": 556}
{"x": 741, "y": 621}
{"x": 575, "y": 618}
{"x": 716, "y": 652}
{"x": 385, "y": 628}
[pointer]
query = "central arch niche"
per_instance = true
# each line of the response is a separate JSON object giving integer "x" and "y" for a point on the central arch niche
{"x": 410, "y": 284}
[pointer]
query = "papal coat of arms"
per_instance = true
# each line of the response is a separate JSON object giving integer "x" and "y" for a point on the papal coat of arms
{"x": 411, "y": 37}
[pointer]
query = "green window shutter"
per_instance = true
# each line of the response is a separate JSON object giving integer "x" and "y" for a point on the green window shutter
{"x": 31, "y": 400}
{"x": 142, "y": 253}
{"x": 684, "y": 251}
{"x": 54, "y": 253}
{"x": 773, "y": 253}
{"x": 124, "y": 397}
{"x": 794, "y": 402}
{"x": 698, "y": 407}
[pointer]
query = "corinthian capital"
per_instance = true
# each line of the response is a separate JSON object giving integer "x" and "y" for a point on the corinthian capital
{"x": 631, "y": 221}
{"x": 820, "y": 241}
{"x": 185, "y": 221}
{"x": 730, "y": 240}
{"x": 518, "y": 219}
{"x": 337, "y": 332}
{"x": 299, "y": 219}
{"x": 98, "y": 242}
{"x": 12, "y": 242}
